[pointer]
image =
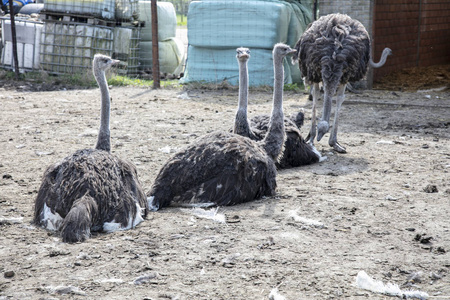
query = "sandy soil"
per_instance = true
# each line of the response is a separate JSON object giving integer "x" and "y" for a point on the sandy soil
{"x": 382, "y": 208}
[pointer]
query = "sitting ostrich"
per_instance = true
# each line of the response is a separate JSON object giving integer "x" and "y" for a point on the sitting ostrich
{"x": 296, "y": 152}
{"x": 223, "y": 168}
{"x": 334, "y": 50}
{"x": 91, "y": 190}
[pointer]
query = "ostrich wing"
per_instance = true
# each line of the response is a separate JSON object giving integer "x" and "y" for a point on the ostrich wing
{"x": 111, "y": 182}
{"x": 296, "y": 152}
{"x": 219, "y": 168}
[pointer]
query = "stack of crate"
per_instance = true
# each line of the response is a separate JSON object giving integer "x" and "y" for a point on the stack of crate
{"x": 74, "y": 31}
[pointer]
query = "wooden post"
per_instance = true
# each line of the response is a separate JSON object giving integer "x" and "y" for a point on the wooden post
{"x": 155, "y": 50}
{"x": 14, "y": 38}
{"x": 315, "y": 10}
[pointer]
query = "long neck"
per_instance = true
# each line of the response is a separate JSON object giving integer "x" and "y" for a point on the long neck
{"x": 104, "y": 140}
{"x": 241, "y": 125}
{"x": 382, "y": 61}
{"x": 274, "y": 139}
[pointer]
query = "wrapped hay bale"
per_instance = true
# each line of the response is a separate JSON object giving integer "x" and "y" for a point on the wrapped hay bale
{"x": 217, "y": 65}
{"x": 171, "y": 56}
{"x": 167, "y": 20}
{"x": 227, "y": 24}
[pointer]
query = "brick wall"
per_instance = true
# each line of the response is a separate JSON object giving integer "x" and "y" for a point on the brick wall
{"x": 417, "y": 32}
{"x": 361, "y": 10}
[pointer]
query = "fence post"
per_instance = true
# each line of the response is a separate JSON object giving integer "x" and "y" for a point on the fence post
{"x": 14, "y": 38}
{"x": 155, "y": 50}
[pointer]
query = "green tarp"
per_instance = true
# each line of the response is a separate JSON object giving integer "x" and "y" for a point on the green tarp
{"x": 217, "y": 27}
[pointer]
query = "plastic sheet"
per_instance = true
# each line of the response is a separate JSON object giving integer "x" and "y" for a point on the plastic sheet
{"x": 218, "y": 65}
{"x": 225, "y": 24}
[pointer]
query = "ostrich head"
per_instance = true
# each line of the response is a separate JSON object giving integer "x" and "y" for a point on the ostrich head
{"x": 388, "y": 51}
{"x": 281, "y": 50}
{"x": 242, "y": 54}
{"x": 322, "y": 128}
{"x": 101, "y": 63}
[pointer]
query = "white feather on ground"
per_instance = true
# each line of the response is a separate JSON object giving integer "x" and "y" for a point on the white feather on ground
{"x": 166, "y": 149}
{"x": 365, "y": 282}
{"x": 307, "y": 222}
{"x": 109, "y": 280}
{"x": 274, "y": 295}
{"x": 385, "y": 142}
{"x": 210, "y": 214}
{"x": 11, "y": 220}
{"x": 144, "y": 278}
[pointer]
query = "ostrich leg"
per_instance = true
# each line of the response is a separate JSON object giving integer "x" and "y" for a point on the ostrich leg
{"x": 333, "y": 137}
{"x": 315, "y": 95}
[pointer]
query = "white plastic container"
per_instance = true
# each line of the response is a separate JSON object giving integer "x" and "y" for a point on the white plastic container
{"x": 127, "y": 10}
{"x": 28, "y": 35}
{"x": 69, "y": 48}
{"x": 97, "y": 8}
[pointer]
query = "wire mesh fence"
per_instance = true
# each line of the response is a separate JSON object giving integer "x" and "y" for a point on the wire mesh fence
{"x": 70, "y": 32}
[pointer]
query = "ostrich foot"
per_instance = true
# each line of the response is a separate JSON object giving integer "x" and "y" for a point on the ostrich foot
{"x": 338, "y": 148}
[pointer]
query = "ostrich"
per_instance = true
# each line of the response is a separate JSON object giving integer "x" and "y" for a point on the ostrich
{"x": 386, "y": 52}
{"x": 334, "y": 50}
{"x": 91, "y": 190}
{"x": 296, "y": 152}
{"x": 223, "y": 168}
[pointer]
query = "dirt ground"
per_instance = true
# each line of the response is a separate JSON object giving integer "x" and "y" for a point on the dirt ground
{"x": 382, "y": 208}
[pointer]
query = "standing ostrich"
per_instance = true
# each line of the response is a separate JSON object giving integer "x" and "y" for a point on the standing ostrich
{"x": 334, "y": 50}
{"x": 296, "y": 152}
{"x": 91, "y": 190}
{"x": 223, "y": 168}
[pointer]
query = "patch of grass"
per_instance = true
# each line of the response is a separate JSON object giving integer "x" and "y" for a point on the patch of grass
{"x": 118, "y": 80}
{"x": 181, "y": 20}
{"x": 82, "y": 80}
{"x": 7, "y": 75}
{"x": 294, "y": 87}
